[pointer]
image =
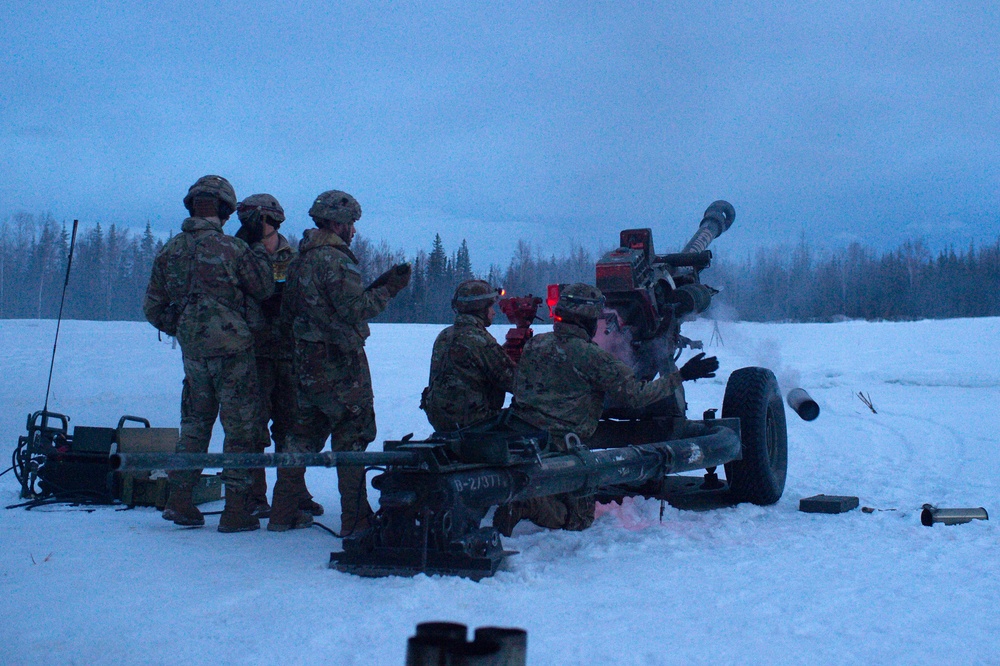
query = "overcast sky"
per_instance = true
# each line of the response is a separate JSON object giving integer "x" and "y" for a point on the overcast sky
{"x": 556, "y": 122}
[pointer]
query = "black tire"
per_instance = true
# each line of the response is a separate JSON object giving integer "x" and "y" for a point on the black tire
{"x": 753, "y": 397}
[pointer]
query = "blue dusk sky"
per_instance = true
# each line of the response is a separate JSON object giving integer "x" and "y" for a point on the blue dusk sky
{"x": 556, "y": 122}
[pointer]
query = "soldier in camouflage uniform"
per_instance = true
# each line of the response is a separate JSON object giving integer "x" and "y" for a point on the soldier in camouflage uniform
{"x": 470, "y": 372}
{"x": 328, "y": 307}
{"x": 201, "y": 284}
{"x": 273, "y": 348}
{"x": 561, "y": 385}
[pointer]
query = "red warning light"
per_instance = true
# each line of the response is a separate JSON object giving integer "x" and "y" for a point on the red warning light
{"x": 552, "y": 297}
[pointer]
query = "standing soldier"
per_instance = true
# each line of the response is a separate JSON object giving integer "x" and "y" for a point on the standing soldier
{"x": 471, "y": 374}
{"x": 201, "y": 284}
{"x": 272, "y": 349}
{"x": 328, "y": 307}
{"x": 561, "y": 384}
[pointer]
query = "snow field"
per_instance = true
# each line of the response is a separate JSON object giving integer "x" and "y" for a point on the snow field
{"x": 740, "y": 585}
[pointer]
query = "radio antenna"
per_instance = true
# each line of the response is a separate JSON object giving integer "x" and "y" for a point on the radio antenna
{"x": 62, "y": 301}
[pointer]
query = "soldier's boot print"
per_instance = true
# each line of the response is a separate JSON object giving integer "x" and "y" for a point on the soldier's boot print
{"x": 180, "y": 506}
{"x": 235, "y": 516}
{"x": 355, "y": 512}
{"x": 285, "y": 512}
{"x": 257, "y": 497}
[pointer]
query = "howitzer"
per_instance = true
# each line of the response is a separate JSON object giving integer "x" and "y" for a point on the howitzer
{"x": 648, "y": 295}
{"x": 436, "y": 492}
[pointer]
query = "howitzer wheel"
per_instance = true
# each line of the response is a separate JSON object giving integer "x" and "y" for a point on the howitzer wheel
{"x": 753, "y": 397}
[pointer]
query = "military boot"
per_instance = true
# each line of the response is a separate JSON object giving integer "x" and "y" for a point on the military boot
{"x": 506, "y": 518}
{"x": 355, "y": 512}
{"x": 307, "y": 504}
{"x": 285, "y": 512}
{"x": 180, "y": 507}
{"x": 257, "y": 497}
{"x": 235, "y": 516}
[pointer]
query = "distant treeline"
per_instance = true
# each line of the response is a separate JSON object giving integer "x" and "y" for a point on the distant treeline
{"x": 910, "y": 282}
{"x": 111, "y": 267}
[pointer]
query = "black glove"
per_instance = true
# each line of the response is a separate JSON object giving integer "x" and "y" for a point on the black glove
{"x": 251, "y": 231}
{"x": 699, "y": 367}
{"x": 396, "y": 278}
{"x": 381, "y": 280}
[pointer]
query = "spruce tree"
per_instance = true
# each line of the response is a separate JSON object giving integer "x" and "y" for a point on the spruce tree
{"x": 463, "y": 263}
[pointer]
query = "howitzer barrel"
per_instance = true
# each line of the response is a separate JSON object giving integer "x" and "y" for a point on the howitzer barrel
{"x": 717, "y": 219}
{"x": 144, "y": 462}
{"x": 585, "y": 471}
{"x": 580, "y": 471}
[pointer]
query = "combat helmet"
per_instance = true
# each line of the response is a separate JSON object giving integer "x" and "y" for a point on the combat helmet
{"x": 335, "y": 206}
{"x": 262, "y": 205}
{"x": 473, "y": 296}
{"x": 580, "y": 303}
{"x": 215, "y": 187}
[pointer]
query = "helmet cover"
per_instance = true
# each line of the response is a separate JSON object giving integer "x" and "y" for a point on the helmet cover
{"x": 260, "y": 205}
{"x": 216, "y": 187}
{"x": 580, "y": 302}
{"x": 473, "y": 296}
{"x": 336, "y": 206}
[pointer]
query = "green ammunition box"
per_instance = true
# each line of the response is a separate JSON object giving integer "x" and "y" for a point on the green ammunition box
{"x": 150, "y": 488}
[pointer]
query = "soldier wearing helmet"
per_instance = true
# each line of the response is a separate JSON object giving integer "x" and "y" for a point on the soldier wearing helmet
{"x": 260, "y": 218}
{"x": 471, "y": 374}
{"x": 561, "y": 385}
{"x": 327, "y": 306}
{"x": 201, "y": 286}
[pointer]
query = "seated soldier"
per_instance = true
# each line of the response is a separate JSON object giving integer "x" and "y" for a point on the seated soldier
{"x": 470, "y": 372}
{"x": 561, "y": 385}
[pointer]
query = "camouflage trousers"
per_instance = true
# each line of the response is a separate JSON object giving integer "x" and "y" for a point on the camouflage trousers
{"x": 335, "y": 399}
{"x": 563, "y": 511}
{"x": 279, "y": 403}
{"x": 556, "y": 512}
{"x": 223, "y": 387}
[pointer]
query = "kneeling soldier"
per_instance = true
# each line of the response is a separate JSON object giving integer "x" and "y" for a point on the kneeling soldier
{"x": 471, "y": 374}
{"x": 561, "y": 385}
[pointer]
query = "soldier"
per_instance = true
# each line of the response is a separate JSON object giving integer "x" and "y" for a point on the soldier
{"x": 561, "y": 385}
{"x": 201, "y": 284}
{"x": 262, "y": 215}
{"x": 470, "y": 372}
{"x": 328, "y": 308}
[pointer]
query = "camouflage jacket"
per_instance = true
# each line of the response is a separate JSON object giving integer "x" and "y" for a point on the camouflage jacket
{"x": 200, "y": 282}
{"x": 271, "y": 340}
{"x": 325, "y": 299}
{"x": 470, "y": 375}
{"x": 563, "y": 379}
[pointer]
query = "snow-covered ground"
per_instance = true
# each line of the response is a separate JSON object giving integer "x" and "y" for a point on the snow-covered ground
{"x": 740, "y": 585}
